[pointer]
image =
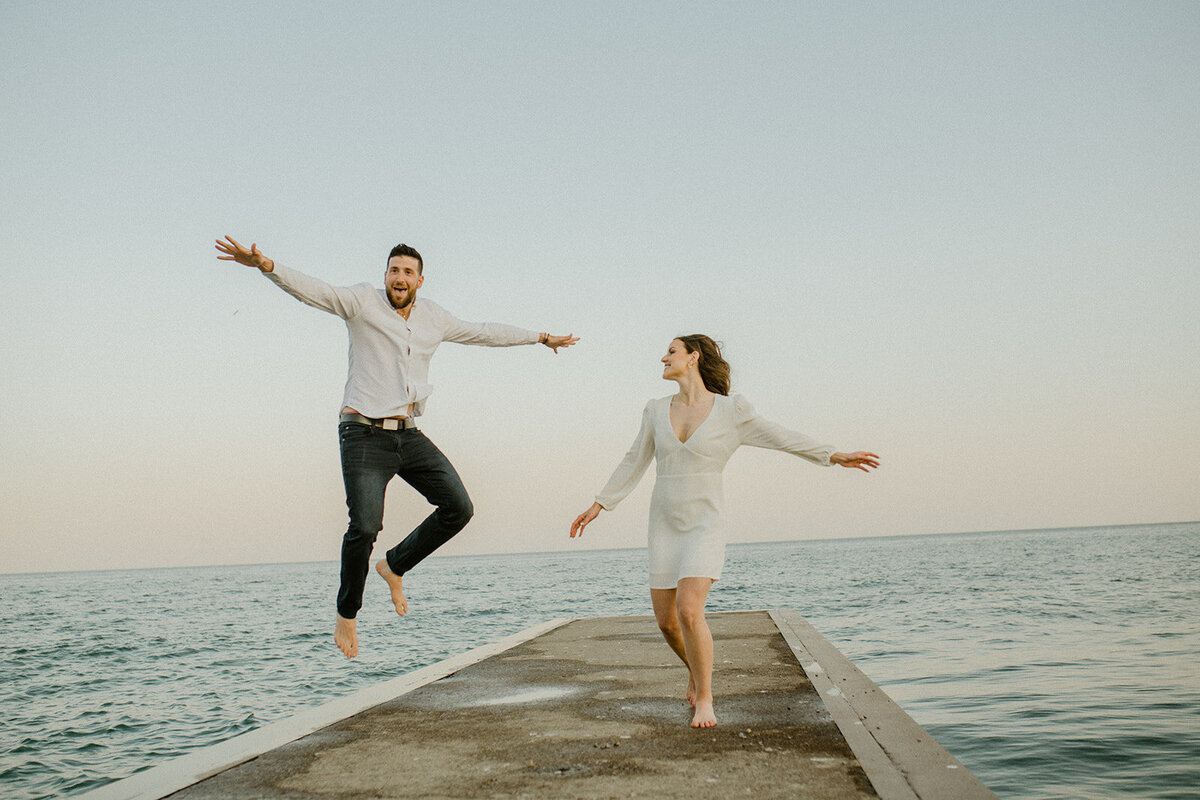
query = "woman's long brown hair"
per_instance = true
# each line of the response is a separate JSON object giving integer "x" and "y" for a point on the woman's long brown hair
{"x": 714, "y": 369}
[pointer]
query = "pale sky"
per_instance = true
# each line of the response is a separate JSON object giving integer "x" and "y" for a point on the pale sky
{"x": 963, "y": 236}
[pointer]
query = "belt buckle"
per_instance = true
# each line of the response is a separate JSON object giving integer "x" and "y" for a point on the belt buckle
{"x": 392, "y": 424}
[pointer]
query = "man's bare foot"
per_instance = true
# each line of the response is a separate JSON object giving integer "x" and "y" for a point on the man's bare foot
{"x": 705, "y": 716}
{"x": 395, "y": 583}
{"x": 691, "y": 691}
{"x": 346, "y": 636}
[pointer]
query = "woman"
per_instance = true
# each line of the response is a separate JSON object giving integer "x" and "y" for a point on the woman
{"x": 691, "y": 435}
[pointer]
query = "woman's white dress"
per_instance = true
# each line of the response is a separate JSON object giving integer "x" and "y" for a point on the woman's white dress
{"x": 686, "y": 536}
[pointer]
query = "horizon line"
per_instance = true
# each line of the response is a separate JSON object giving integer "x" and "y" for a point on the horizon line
{"x": 622, "y": 549}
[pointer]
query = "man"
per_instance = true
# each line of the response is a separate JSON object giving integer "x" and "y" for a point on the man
{"x": 392, "y": 338}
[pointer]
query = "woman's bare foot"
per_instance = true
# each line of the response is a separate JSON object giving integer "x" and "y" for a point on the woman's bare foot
{"x": 395, "y": 583}
{"x": 691, "y": 691}
{"x": 705, "y": 716}
{"x": 345, "y": 634}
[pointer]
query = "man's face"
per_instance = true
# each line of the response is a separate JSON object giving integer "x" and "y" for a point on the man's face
{"x": 402, "y": 279}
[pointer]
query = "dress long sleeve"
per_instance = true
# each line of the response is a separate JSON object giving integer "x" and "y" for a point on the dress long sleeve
{"x": 627, "y": 474}
{"x": 758, "y": 432}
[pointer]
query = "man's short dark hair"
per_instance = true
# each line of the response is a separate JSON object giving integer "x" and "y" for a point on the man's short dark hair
{"x": 411, "y": 252}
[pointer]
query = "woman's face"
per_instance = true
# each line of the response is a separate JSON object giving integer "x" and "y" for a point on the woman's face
{"x": 677, "y": 360}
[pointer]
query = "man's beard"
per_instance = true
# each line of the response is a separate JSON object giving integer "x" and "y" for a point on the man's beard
{"x": 409, "y": 296}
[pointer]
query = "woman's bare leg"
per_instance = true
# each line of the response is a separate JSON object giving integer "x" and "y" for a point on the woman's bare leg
{"x": 667, "y": 615}
{"x": 690, "y": 596}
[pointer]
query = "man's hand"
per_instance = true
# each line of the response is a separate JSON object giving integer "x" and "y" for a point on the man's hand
{"x": 859, "y": 460}
{"x": 251, "y": 258}
{"x": 555, "y": 342}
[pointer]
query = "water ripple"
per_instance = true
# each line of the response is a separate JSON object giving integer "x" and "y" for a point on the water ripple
{"x": 1054, "y": 664}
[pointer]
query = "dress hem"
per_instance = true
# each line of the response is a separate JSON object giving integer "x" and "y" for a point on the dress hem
{"x": 681, "y": 577}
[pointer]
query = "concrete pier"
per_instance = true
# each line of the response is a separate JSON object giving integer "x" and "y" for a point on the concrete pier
{"x": 591, "y": 708}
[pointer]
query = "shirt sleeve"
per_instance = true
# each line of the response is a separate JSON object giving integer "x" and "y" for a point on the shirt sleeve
{"x": 755, "y": 431}
{"x": 344, "y": 301}
{"x": 486, "y": 334}
{"x": 629, "y": 472}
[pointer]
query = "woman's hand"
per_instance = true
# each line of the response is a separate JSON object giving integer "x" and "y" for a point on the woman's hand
{"x": 583, "y": 519}
{"x": 859, "y": 460}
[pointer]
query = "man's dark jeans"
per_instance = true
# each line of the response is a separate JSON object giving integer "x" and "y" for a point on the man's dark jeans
{"x": 370, "y": 458}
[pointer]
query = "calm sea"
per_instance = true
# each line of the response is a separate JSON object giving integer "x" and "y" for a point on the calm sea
{"x": 1054, "y": 664}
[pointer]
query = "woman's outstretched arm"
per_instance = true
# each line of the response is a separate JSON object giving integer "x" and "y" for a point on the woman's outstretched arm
{"x": 758, "y": 432}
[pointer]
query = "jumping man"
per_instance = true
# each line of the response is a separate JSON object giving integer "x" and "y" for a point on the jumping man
{"x": 393, "y": 336}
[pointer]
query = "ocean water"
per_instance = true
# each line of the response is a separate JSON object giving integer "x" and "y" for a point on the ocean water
{"x": 1054, "y": 664}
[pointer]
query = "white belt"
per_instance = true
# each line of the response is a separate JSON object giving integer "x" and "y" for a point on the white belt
{"x": 387, "y": 423}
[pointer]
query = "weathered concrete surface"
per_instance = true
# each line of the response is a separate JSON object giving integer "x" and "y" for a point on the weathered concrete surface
{"x": 593, "y": 709}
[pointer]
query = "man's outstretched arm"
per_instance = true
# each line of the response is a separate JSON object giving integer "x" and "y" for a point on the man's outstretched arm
{"x": 496, "y": 334}
{"x": 343, "y": 301}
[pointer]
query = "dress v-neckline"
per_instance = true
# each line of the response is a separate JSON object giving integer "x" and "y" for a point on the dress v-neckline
{"x": 696, "y": 429}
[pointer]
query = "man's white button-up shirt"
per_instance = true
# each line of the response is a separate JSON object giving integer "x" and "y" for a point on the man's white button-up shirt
{"x": 389, "y": 355}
